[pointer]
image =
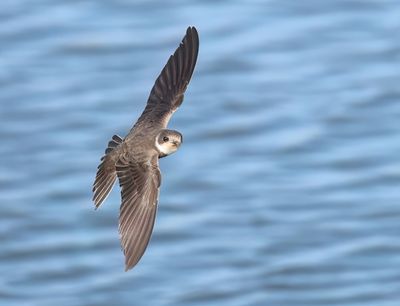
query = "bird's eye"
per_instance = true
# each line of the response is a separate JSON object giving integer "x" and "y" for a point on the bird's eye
{"x": 166, "y": 139}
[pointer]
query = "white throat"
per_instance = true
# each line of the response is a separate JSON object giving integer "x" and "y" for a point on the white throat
{"x": 164, "y": 148}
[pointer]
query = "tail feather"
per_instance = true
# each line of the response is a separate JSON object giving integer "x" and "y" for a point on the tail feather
{"x": 113, "y": 143}
{"x": 106, "y": 174}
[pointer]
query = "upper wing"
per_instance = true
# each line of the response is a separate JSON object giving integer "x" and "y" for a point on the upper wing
{"x": 139, "y": 193}
{"x": 167, "y": 93}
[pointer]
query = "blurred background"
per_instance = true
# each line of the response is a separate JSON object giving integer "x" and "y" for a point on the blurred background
{"x": 285, "y": 192}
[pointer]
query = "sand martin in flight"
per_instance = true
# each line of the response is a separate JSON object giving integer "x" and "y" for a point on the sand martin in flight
{"x": 134, "y": 159}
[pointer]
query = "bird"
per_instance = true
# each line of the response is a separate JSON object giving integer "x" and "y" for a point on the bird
{"x": 134, "y": 159}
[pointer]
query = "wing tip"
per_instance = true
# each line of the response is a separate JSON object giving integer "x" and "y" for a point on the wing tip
{"x": 127, "y": 268}
{"x": 132, "y": 261}
{"x": 135, "y": 246}
{"x": 192, "y": 32}
{"x": 192, "y": 29}
{"x": 189, "y": 48}
{"x": 130, "y": 265}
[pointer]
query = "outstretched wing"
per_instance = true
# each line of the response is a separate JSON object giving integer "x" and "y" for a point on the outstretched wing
{"x": 167, "y": 93}
{"x": 139, "y": 193}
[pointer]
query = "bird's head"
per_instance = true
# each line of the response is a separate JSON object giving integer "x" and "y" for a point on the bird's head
{"x": 168, "y": 142}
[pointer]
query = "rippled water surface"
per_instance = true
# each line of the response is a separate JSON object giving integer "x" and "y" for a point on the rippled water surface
{"x": 285, "y": 192}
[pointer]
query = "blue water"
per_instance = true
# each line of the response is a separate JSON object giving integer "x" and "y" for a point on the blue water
{"x": 285, "y": 192}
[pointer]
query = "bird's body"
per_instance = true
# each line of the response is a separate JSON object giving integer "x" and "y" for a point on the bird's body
{"x": 134, "y": 159}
